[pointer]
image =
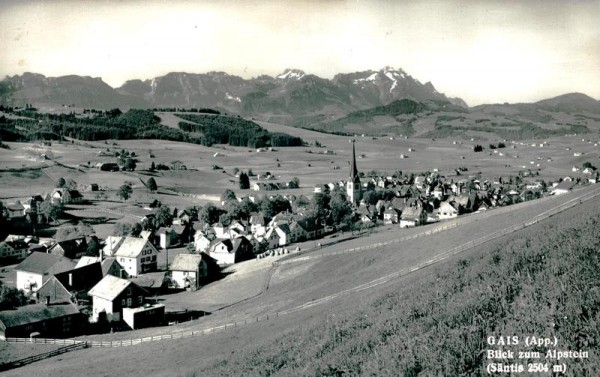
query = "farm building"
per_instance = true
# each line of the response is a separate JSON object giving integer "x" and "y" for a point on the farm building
{"x": 111, "y": 295}
{"x": 51, "y": 321}
{"x": 231, "y": 251}
{"x": 191, "y": 270}
{"x": 36, "y": 269}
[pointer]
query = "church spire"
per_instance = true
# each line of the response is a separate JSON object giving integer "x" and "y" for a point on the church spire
{"x": 354, "y": 171}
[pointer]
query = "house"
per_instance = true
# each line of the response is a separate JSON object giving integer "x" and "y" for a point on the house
{"x": 112, "y": 244}
{"x": 15, "y": 210}
{"x": 75, "y": 282}
{"x": 73, "y": 248}
{"x": 166, "y": 237}
{"x": 65, "y": 196}
{"x": 390, "y": 216}
{"x": 278, "y": 235}
{"x": 51, "y": 321}
{"x": 191, "y": 270}
{"x": 37, "y": 268}
{"x": 220, "y": 230}
{"x": 231, "y": 251}
{"x": 13, "y": 251}
{"x": 107, "y": 166}
{"x": 137, "y": 256}
{"x": 448, "y": 210}
{"x": 110, "y": 266}
{"x": 413, "y": 216}
{"x": 563, "y": 188}
{"x": 111, "y": 295}
{"x": 201, "y": 242}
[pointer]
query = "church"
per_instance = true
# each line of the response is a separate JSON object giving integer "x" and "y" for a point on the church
{"x": 353, "y": 187}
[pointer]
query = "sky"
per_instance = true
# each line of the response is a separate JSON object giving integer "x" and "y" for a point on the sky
{"x": 481, "y": 51}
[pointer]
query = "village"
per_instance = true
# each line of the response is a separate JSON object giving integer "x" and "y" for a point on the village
{"x": 75, "y": 283}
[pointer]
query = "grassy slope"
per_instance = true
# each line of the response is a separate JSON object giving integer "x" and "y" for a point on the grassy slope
{"x": 543, "y": 283}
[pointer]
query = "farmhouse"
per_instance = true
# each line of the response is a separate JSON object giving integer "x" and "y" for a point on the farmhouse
{"x": 34, "y": 271}
{"x": 190, "y": 270}
{"x": 448, "y": 210}
{"x": 51, "y": 321}
{"x": 231, "y": 251}
{"x": 390, "y": 216}
{"x": 413, "y": 216}
{"x": 70, "y": 285}
{"x": 111, "y": 295}
{"x": 15, "y": 210}
{"x": 73, "y": 248}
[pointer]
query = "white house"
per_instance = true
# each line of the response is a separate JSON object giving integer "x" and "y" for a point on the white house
{"x": 189, "y": 270}
{"x": 111, "y": 295}
{"x": 36, "y": 269}
{"x": 137, "y": 256}
{"x": 448, "y": 210}
{"x": 562, "y": 188}
{"x": 201, "y": 242}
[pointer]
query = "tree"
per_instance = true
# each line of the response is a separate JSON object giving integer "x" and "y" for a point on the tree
{"x": 70, "y": 184}
{"x": 122, "y": 229}
{"x": 370, "y": 197}
{"x": 11, "y": 297}
{"x": 60, "y": 183}
{"x": 125, "y": 192}
{"x": 244, "y": 181}
{"x": 152, "y": 166}
{"x": 295, "y": 183}
{"x": 319, "y": 204}
{"x": 227, "y": 196}
{"x": 210, "y": 214}
{"x": 151, "y": 184}
{"x": 129, "y": 164}
{"x": 340, "y": 208}
{"x": 163, "y": 216}
{"x": 54, "y": 211}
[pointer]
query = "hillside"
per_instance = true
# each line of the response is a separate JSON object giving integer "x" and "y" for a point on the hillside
{"x": 543, "y": 281}
{"x": 440, "y": 119}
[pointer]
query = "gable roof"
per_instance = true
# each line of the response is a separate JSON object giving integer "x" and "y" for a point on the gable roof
{"x": 54, "y": 290}
{"x": 186, "y": 262}
{"x": 109, "y": 287}
{"x": 132, "y": 247}
{"x": 411, "y": 213}
{"x": 40, "y": 263}
{"x": 86, "y": 260}
{"x": 35, "y": 313}
{"x": 107, "y": 265}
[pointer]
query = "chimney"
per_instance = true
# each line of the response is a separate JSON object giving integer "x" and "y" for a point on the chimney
{"x": 70, "y": 279}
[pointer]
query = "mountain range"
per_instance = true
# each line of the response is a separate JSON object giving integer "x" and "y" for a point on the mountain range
{"x": 291, "y": 93}
{"x": 368, "y": 101}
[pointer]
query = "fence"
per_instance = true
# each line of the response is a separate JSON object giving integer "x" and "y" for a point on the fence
{"x": 71, "y": 345}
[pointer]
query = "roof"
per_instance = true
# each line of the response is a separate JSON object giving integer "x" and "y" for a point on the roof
{"x": 41, "y": 263}
{"x": 107, "y": 264}
{"x": 186, "y": 262}
{"x": 85, "y": 260}
{"x": 565, "y": 185}
{"x": 227, "y": 242}
{"x": 35, "y": 313}
{"x": 55, "y": 290}
{"x": 257, "y": 219}
{"x": 131, "y": 247}
{"x": 109, "y": 287}
{"x": 412, "y": 213}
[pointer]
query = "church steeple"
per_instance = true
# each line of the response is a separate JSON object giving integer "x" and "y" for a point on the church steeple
{"x": 354, "y": 170}
{"x": 353, "y": 187}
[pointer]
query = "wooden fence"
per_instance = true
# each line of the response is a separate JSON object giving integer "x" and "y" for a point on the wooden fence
{"x": 70, "y": 345}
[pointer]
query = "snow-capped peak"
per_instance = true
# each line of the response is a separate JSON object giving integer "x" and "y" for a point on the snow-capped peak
{"x": 371, "y": 77}
{"x": 291, "y": 74}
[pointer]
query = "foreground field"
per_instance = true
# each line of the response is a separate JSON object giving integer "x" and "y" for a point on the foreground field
{"x": 268, "y": 345}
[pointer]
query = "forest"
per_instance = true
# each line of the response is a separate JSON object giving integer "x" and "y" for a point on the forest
{"x": 236, "y": 131}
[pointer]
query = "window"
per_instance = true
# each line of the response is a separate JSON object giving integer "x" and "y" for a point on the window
{"x": 123, "y": 302}
{"x": 154, "y": 258}
{"x": 140, "y": 299}
{"x": 129, "y": 301}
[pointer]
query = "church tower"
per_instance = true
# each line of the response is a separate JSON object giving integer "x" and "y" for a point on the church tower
{"x": 353, "y": 187}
